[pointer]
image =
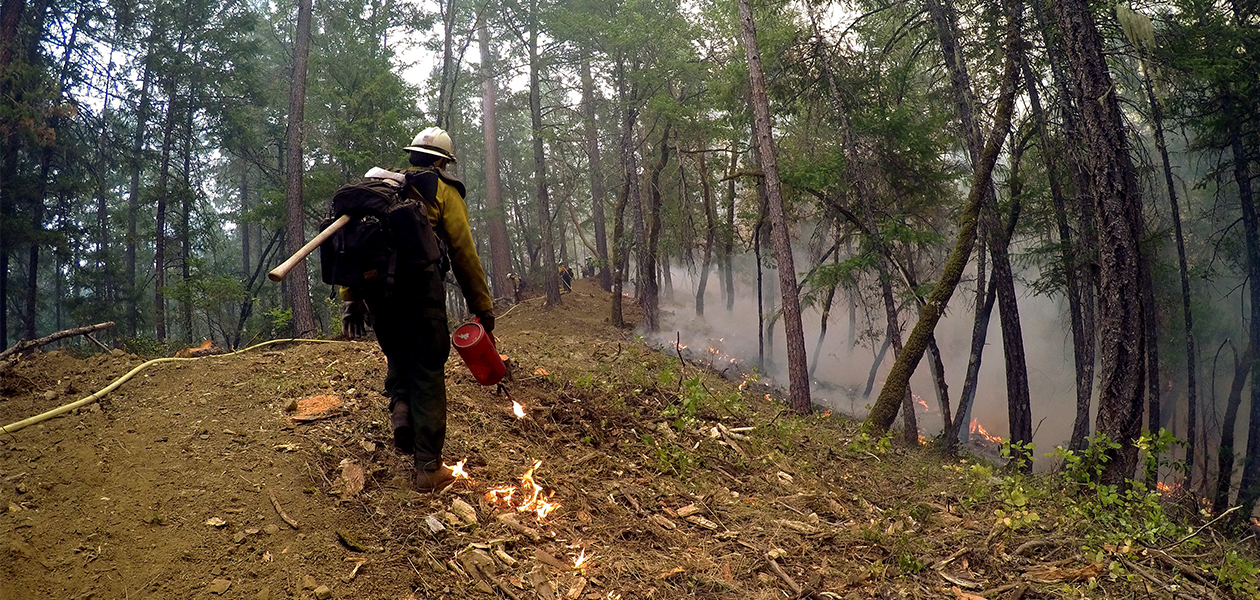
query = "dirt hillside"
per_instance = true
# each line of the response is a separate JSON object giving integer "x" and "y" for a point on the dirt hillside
{"x": 195, "y": 480}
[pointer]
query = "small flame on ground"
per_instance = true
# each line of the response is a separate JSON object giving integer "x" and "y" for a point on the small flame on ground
{"x": 501, "y": 495}
{"x": 1167, "y": 489}
{"x": 923, "y": 441}
{"x": 532, "y": 498}
{"x": 457, "y": 469}
{"x": 826, "y": 414}
{"x": 977, "y": 428}
{"x": 540, "y": 371}
{"x": 581, "y": 559}
{"x": 518, "y": 410}
{"x": 1255, "y": 521}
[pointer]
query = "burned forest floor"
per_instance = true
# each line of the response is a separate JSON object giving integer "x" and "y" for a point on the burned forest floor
{"x": 270, "y": 474}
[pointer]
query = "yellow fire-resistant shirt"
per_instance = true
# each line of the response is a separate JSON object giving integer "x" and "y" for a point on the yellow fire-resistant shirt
{"x": 449, "y": 218}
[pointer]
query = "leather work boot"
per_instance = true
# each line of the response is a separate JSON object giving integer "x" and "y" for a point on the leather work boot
{"x": 425, "y": 481}
{"x": 400, "y": 420}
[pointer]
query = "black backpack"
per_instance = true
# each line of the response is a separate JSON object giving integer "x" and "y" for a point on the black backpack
{"x": 386, "y": 230}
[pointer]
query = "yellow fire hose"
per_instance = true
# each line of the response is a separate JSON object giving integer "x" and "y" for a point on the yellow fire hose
{"x": 60, "y": 410}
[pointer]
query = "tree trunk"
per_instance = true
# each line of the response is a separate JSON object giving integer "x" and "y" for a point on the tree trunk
{"x": 1249, "y": 485}
{"x": 798, "y": 368}
{"x": 446, "y": 83}
{"x": 1225, "y": 450}
{"x": 646, "y": 259}
{"x": 985, "y": 299}
{"x": 551, "y": 280}
{"x": 710, "y": 218}
{"x": 1119, "y": 220}
{"x": 10, "y": 18}
{"x": 1082, "y": 341}
{"x": 295, "y": 230}
{"x": 132, "y": 299}
{"x": 159, "y": 226}
{"x": 185, "y": 252}
{"x": 728, "y": 236}
{"x": 1018, "y": 402}
{"x": 500, "y": 259}
{"x": 597, "y": 174}
{"x": 1018, "y": 405}
{"x": 629, "y": 193}
{"x": 1192, "y": 364}
{"x": 897, "y": 382}
{"x": 242, "y": 223}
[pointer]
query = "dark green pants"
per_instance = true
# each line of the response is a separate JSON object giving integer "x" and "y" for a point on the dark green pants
{"x": 410, "y": 324}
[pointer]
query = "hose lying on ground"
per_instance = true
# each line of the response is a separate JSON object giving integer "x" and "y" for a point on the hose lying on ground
{"x": 60, "y": 410}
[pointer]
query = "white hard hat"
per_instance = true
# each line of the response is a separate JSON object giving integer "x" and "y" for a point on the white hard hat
{"x": 435, "y": 141}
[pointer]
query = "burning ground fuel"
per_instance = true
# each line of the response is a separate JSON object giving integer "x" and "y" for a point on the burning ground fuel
{"x": 590, "y": 475}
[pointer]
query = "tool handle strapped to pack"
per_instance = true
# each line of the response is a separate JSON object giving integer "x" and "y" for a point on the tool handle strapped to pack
{"x": 279, "y": 272}
{"x": 387, "y": 230}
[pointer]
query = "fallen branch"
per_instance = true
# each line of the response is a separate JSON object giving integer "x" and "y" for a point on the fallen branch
{"x": 1200, "y": 530}
{"x": 510, "y": 520}
{"x": 778, "y": 570}
{"x": 280, "y": 511}
{"x": 48, "y": 339}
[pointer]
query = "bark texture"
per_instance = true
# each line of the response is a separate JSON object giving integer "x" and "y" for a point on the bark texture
{"x": 798, "y": 372}
{"x": 1119, "y": 228}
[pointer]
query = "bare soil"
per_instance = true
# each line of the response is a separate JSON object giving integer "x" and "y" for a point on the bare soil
{"x": 165, "y": 488}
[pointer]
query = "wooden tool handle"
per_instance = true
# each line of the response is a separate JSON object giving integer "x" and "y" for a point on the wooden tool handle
{"x": 279, "y": 272}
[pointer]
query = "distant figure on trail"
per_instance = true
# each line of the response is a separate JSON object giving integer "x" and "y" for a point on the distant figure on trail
{"x": 410, "y": 313}
{"x": 566, "y": 277}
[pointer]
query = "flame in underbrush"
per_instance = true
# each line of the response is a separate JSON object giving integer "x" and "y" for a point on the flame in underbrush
{"x": 978, "y": 429}
{"x": 1255, "y": 521}
{"x": 540, "y": 371}
{"x": 581, "y": 559}
{"x": 518, "y": 410}
{"x": 532, "y": 498}
{"x": 457, "y": 469}
{"x": 826, "y": 414}
{"x": 500, "y": 495}
{"x": 923, "y": 441}
{"x": 1167, "y": 489}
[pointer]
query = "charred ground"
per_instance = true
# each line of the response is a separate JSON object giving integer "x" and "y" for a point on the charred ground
{"x": 671, "y": 482}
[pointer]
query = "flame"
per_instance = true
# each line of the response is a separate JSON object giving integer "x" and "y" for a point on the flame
{"x": 532, "y": 498}
{"x": 518, "y": 410}
{"x": 540, "y": 371}
{"x": 826, "y": 414}
{"x": 581, "y": 559}
{"x": 712, "y": 350}
{"x": 457, "y": 469}
{"x": 502, "y": 495}
{"x": 924, "y": 404}
{"x": 1167, "y": 489}
{"x": 977, "y": 428}
{"x": 923, "y": 441}
{"x": 1255, "y": 521}
{"x": 767, "y": 396}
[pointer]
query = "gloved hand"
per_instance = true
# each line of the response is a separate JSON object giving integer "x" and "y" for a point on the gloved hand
{"x": 354, "y": 319}
{"x": 487, "y": 320}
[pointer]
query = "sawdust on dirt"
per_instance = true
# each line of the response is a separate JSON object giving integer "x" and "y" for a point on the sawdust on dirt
{"x": 662, "y": 481}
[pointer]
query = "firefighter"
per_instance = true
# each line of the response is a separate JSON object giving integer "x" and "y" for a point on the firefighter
{"x": 410, "y": 318}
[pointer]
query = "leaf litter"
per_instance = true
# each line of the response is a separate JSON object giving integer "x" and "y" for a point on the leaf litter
{"x": 729, "y": 499}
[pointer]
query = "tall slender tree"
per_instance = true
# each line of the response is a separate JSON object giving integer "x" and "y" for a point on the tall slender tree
{"x": 798, "y": 367}
{"x": 295, "y": 219}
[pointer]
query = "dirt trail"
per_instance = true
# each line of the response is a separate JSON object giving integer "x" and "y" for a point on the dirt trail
{"x": 669, "y": 483}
